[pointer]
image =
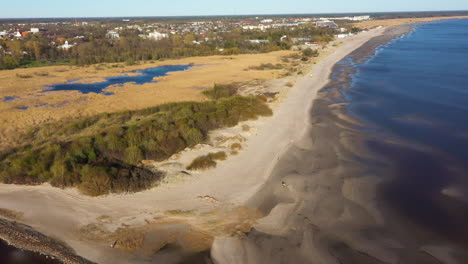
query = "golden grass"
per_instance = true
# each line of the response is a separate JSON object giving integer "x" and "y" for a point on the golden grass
{"x": 399, "y": 21}
{"x": 177, "y": 87}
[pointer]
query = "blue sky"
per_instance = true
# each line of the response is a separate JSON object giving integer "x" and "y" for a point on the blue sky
{"x": 93, "y": 8}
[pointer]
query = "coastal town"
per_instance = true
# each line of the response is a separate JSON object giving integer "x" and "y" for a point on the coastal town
{"x": 24, "y": 44}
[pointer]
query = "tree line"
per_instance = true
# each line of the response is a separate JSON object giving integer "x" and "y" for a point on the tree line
{"x": 37, "y": 49}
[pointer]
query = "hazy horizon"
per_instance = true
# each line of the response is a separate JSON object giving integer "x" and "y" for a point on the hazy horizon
{"x": 141, "y": 8}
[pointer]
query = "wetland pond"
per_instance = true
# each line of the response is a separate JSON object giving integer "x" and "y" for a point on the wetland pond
{"x": 145, "y": 76}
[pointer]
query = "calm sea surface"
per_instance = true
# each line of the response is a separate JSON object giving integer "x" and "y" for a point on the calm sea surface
{"x": 413, "y": 97}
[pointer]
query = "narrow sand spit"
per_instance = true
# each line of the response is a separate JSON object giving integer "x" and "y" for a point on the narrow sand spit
{"x": 234, "y": 183}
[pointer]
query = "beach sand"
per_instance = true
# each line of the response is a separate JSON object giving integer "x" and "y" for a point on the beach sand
{"x": 237, "y": 187}
{"x": 401, "y": 21}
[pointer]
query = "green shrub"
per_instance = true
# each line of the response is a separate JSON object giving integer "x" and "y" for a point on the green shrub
{"x": 43, "y": 74}
{"x": 201, "y": 163}
{"x": 23, "y": 76}
{"x": 218, "y": 155}
{"x": 267, "y": 66}
{"x": 310, "y": 53}
{"x": 221, "y": 91}
{"x": 236, "y": 146}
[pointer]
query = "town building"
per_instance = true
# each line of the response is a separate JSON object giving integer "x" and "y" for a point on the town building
{"x": 66, "y": 46}
{"x": 258, "y": 41}
{"x": 157, "y": 36}
{"x": 326, "y": 23}
{"x": 113, "y": 35}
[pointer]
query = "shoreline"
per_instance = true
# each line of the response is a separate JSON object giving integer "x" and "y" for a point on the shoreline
{"x": 322, "y": 204}
{"x": 236, "y": 192}
{"x": 317, "y": 212}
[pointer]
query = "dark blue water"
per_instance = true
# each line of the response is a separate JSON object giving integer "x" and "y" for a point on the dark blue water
{"x": 9, "y": 98}
{"x": 12, "y": 255}
{"x": 414, "y": 91}
{"x": 146, "y": 76}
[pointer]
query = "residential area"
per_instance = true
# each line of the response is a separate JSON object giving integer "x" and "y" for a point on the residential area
{"x": 79, "y": 41}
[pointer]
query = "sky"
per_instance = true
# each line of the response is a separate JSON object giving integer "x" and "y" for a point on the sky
{"x": 120, "y": 8}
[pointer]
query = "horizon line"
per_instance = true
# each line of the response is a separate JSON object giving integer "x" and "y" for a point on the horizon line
{"x": 241, "y": 15}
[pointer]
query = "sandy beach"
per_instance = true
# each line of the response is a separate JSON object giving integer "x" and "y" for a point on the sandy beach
{"x": 243, "y": 192}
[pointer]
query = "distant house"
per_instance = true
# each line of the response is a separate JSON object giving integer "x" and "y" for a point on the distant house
{"x": 3, "y": 34}
{"x": 66, "y": 46}
{"x": 326, "y": 23}
{"x": 157, "y": 36}
{"x": 113, "y": 35}
{"x": 303, "y": 39}
{"x": 313, "y": 45}
{"x": 258, "y": 41}
{"x": 340, "y": 36}
{"x": 18, "y": 34}
{"x": 34, "y": 30}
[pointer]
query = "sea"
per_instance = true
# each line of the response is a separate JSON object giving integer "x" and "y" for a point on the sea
{"x": 411, "y": 97}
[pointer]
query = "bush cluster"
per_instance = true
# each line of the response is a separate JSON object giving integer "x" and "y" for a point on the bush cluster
{"x": 102, "y": 153}
{"x": 267, "y": 66}
{"x": 207, "y": 161}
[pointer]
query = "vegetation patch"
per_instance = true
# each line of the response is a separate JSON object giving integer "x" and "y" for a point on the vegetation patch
{"x": 236, "y": 146}
{"x": 218, "y": 155}
{"x": 207, "y": 161}
{"x": 23, "y": 76}
{"x": 202, "y": 163}
{"x": 267, "y": 66}
{"x": 14, "y": 215}
{"x": 101, "y": 154}
{"x": 310, "y": 53}
{"x": 221, "y": 91}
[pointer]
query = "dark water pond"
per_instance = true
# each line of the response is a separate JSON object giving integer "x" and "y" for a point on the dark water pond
{"x": 9, "y": 98}
{"x": 12, "y": 255}
{"x": 146, "y": 76}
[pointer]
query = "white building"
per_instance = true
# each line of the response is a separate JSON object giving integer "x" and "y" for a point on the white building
{"x": 267, "y": 21}
{"x": 113, "y": 35}
{"x": 18, "y": 34}
{"x": 258, "y": 41}
{"x": 34, "y": 30}
{"x": 360, "y": 18}
{"x": 341, "y": 36}
{"x": 66, "y": 46}
{"x": 259, "y": 27}
{"x": 3, "y": 33}
{"x": 326, "y": 23}
{"x": 157, "y": 36}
